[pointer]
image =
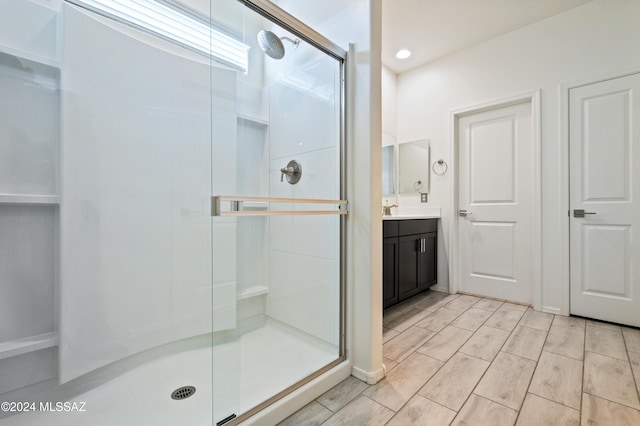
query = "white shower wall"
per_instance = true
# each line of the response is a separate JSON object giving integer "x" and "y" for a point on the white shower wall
{"x": 30, "y": 26}
{"x": 29, "y": 144}
{"x": 138, "y": 257}
{"x": 304, "y": 250}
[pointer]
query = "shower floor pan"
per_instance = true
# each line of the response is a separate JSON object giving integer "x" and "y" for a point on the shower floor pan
{"x": 266, "y": 361}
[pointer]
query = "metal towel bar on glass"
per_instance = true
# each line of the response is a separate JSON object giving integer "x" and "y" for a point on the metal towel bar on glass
{"x": 259, "y": 206}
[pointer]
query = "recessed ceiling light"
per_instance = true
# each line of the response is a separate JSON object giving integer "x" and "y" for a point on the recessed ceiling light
{"x": 403, "y": 54}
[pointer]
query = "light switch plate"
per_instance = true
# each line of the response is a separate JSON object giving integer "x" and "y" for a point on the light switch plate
{"x": 423, "y": 197}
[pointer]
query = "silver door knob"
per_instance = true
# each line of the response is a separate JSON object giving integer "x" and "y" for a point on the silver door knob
{"x": 463, "y": 213}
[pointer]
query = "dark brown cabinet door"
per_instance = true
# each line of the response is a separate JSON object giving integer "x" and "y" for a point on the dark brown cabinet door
{"x": 408, "y": 266}
{"x": 428, "y": 262}
{"x": 416, "y": 264}
{"x": 390, "y": 272}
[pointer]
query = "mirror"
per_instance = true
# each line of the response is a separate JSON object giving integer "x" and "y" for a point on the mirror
{"x": 413, "y": 167}
{"x": 388, "y": 165}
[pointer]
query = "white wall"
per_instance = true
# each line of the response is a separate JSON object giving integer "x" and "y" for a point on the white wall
{"x": 595, "y": 41}
{"x": 408, "y": 203}
{"x": 389, "y": 122}
{"x": 389, "y": 102}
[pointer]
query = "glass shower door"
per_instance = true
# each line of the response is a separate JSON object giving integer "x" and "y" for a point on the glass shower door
{"x": 278, "y": 209}
{"x": 135, "y": 227}
{"x": 171, "y": 208}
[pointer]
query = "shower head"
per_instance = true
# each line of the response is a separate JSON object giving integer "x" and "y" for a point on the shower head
{"x": 272, "y": 45}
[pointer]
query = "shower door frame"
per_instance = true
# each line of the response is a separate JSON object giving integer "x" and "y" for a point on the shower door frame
{"x": 278, "y": 16}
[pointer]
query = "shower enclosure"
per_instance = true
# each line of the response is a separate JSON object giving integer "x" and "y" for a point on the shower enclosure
{"x": 172, "y": 209}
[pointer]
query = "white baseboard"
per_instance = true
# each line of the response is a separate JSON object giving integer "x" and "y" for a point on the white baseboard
{"x": 551, "y": 310}
{"x": 370, "y": 377}
{"x": 440, "y": 288}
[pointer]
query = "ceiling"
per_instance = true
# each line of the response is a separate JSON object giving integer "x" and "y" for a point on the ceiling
{"x": 432, "y": 29}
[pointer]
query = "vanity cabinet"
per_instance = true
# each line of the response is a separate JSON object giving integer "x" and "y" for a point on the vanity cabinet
{"x": 409, "y": 258}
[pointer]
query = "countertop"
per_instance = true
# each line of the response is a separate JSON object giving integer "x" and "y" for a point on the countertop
{"x": 431, "y": 216}
{"x": 413, "y": 213}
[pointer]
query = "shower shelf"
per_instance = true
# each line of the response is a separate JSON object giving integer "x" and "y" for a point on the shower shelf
{"x": 34, "y": 59}
{"x": 257, "y": 290}
{"x": 29, "y": 199}
{"x": 28, "y": 344}
{"x": 254, "y": 120}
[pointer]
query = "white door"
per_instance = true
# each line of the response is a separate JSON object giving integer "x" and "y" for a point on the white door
{"x": 605, "y": 184}
{"x": 496, "y": 189}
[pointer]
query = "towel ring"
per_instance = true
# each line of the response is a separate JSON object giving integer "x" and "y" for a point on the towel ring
{"x": 439, "y": 167}
{"x": 418, "y": 185}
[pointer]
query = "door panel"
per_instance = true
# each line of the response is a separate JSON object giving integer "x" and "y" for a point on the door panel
{"x": 408, "y": 255}
{"x": 604, "y": 264}
{"x": 490, "y": 238}
{"x": 496, "y": 189}
{"x": 606, "y": 165}
{"x": 491, "y": 148}
{"x": 604, "y": 247}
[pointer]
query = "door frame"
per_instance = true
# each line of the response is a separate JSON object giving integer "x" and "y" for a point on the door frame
{"x": 454, "y": 116}
{"x": 564, "y": 307}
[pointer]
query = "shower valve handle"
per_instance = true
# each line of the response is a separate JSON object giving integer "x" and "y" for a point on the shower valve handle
{"x": 289, "y": 171}
{"x": 293, "y": 171}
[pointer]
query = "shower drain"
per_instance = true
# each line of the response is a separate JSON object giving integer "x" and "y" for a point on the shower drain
{"x": 183, "y": 392}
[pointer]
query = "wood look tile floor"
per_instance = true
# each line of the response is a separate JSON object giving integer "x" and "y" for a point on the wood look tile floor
{"x": 467, "y": 360}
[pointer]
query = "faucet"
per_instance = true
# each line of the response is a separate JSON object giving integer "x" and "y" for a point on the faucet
{"x": 386, "y": 209}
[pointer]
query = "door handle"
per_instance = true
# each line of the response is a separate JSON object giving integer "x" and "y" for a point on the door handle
{"x": 580, "y": 213}
{"x": 463, "y": 213}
